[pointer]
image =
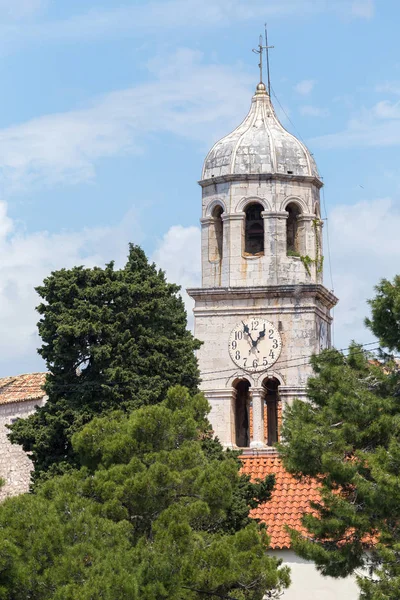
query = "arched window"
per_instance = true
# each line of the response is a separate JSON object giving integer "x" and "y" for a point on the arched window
{"x": 242, "y": 421}
{"x": 254, "y": 230}
{"x": 292, "y": 230}
{"x": 271, "y": 411}
{"x": 216, "y": 235}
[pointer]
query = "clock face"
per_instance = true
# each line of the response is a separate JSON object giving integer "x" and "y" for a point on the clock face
{"x": 255, "y": 344}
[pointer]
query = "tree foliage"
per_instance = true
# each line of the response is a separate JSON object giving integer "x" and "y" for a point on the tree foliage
{"x": 348, "y": 437}
{"x": 385, "y": 308}
{"x": 151, "y": 514}
{"x": 112, "y": 339}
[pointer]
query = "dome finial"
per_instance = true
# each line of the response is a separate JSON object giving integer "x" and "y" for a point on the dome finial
{"x": 261, "y": 89}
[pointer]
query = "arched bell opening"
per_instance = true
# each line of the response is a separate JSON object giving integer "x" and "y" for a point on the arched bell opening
{"x": 216, "y": 235}
{"x": 271, "y": 410}
{"x": 292, "y": 230}
{"x": 242, "y": 413}
{"x": 254, "y": 230}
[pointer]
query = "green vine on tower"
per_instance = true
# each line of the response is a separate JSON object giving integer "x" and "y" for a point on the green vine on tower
{"x": 318, "y": 261}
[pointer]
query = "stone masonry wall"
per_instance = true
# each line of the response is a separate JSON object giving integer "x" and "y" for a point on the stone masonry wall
{"x": 15, "y": 466}
{"x": 274, "y": 267}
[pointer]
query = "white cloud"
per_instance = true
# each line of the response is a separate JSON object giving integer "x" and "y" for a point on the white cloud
{"x": 185, "y": 98}
{"x": 387, "y": 110}
{"x": 26, "y": 259}
{"x": 140, "y": 18}
{"x": 178, "y": 254}
{"x": 19, "y": 9}
{"x": 364, "y": 245}
{"x": 314, "y": 111}
{"x": 304, "y": 87}
{"x": 373, "y": 127}
{"x": 364, "y": 9}
{"x": 392, "y": 87}
{"x": 365, "y": 248}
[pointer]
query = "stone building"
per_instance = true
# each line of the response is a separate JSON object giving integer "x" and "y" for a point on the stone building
{"x": 19, "y": 397}
{"x": 262, "y": 310}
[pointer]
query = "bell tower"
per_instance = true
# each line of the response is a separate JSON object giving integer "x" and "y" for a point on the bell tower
{"x": 262, "y": 309}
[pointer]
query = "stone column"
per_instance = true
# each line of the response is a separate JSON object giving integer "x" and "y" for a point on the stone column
{"x": 275, "y": 239}
{"x": 310, "y": 244}
{"x": 205, "y": 265}
{"x": 257, "y": 398}
{"x": 232, "y": 420}
{"x": 233, "y": 234}
{"x": 222, "y": 414}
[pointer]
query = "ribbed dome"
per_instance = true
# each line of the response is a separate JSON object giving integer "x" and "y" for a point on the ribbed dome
{"x": 259, "y": 145}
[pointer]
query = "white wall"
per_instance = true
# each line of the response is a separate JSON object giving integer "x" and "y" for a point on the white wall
{"x": 15, "y": 466}
{"x": 308, "y": 584}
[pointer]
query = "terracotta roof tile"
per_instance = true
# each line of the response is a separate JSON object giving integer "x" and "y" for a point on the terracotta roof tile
{"x": 21, "y": 388}
{"x": 290, "y": 498}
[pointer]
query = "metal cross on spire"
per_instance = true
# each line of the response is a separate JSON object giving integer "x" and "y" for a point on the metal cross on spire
{"x": 260, "y": 51}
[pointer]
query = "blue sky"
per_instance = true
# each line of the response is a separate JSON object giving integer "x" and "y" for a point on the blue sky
{"x": 108, "y": 109}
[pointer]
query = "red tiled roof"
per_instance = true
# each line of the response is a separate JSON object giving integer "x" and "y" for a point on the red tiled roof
{"x": 290, "y": 497}
{"x": 22, "y": 388}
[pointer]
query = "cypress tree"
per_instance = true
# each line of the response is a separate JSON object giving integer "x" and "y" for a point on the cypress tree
{"x": 112, "y": 339}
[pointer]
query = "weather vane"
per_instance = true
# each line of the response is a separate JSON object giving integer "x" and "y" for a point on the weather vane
{"x": 260, "y": 51}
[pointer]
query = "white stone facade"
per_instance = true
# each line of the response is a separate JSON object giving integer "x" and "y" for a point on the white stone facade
{"x": 300, "y": 313}
{"x": 234, "y": 194}
{"x": 259, "y": 165}
{"x": 15, "y": 465}
{"x": 275, "y": 276}
{"x": 259, "y": 145}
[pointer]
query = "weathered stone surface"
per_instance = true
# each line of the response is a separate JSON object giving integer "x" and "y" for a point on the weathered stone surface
{"x": 260, "y": 144}
{"x": 260, "y": 163}
{"x": 15, "y": 465}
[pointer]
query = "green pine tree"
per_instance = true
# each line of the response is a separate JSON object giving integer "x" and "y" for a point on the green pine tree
{"x": 348, "y": 438}
{"x": 147, "y": 517}
{"x": 112, "y": 339}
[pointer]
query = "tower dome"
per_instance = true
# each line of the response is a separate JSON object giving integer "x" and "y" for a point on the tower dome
{"x": 259, "y": 145}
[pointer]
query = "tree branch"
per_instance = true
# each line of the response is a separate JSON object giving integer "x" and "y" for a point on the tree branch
{"x": 186, "y": 587}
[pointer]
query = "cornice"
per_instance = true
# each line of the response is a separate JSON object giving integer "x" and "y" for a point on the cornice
{"x": 317, "y": 291}
{"x": 261, "y": 177}
{"x": 266, "y": 451}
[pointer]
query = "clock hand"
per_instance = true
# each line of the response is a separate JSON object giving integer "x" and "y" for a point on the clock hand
{"x": 246, "y": 330}
{"x": 261, "y": 335}
{"x": 254, "y": 345}
{"x": 255, "y": 342}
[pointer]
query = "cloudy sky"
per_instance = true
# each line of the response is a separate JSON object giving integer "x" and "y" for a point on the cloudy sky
{"x": 108, "y": 109}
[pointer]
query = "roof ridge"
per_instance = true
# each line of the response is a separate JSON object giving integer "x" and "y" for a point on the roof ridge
{"x": 22, "y": 374}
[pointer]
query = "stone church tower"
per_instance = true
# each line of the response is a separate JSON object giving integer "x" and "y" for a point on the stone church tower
{"x": 262, "y": 309}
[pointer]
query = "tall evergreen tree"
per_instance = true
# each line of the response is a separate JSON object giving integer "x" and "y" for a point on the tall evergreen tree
{"x": 348, "y": 437}
{"x": 148, "y": 517}
{"x": 112, "y": 339}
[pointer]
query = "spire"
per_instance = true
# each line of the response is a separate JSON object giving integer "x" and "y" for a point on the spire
{"x": 261, "y": 89}
{"x": 267, "y": 53}
{"x": 260, "y": 53}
